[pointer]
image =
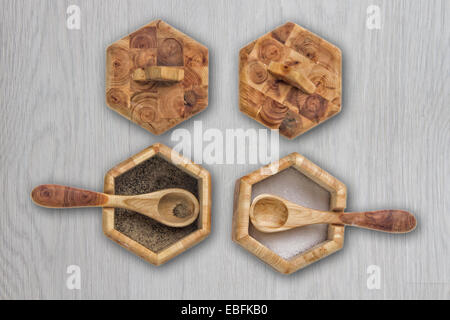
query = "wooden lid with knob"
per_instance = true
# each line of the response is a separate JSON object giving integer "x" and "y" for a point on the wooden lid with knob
{"x": 157, "y": 77}
{"x": 290, "y": 79}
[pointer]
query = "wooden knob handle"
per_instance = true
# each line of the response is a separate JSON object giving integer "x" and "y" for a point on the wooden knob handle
{"x": 396, "y": 221}
{"x": 56, "y": 196}
{"x": 162, "y": 74}
{"x": 291, "y": 76}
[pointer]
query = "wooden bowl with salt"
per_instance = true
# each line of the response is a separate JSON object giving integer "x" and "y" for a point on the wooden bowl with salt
{"x": 299, "y": 180}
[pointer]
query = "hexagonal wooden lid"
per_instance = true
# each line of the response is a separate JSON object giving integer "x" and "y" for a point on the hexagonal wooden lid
{"x": 290, "y": 79}
{"x": 157, "y": 77}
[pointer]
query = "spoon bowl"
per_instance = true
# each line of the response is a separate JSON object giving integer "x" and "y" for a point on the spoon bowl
{"x": 270, "y": 213}
{"x": 178, "y": 208}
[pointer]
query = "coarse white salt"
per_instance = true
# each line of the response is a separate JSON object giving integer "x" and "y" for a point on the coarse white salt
{"x": 292, "y": 185}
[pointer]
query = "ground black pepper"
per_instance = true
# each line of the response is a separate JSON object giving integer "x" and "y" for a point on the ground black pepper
{"x": 152, "y": 175}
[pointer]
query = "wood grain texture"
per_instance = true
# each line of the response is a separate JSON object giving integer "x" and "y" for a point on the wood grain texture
{"x": 57, "y": 196}
{"x": 290, "y": 79}
{"x": 157, "y": 77}
{"x": 156, "y": 73}
{"x": 394, "y": 221}
{"x": 389, "y": 145}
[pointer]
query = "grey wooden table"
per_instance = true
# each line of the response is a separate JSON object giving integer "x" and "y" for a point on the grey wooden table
{"x": 390, "y": 145}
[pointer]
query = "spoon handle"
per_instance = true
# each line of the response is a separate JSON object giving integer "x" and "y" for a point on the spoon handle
{"x": 395, "y": 221}
{"x": 57, "y": 196}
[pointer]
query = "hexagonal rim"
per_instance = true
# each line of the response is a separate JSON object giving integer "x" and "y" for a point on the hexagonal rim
{"x": 181, "y": 245}
{"x": 241, "y": 214}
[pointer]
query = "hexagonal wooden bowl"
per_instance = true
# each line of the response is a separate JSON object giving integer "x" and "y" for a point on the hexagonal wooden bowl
{"x": 157, "y": 103}
{"x": 290, "y": 79}
{"x": 241, "y": 214}
{"x": 204, "y": 220}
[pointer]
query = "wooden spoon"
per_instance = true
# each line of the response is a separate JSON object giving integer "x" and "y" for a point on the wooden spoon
{"x": 172, "y": 207}
{"x": 270, "y": 213}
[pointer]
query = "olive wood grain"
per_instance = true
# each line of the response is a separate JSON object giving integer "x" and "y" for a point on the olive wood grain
{"x": 156, "y": 205}
{"x": 270, "y": 213}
